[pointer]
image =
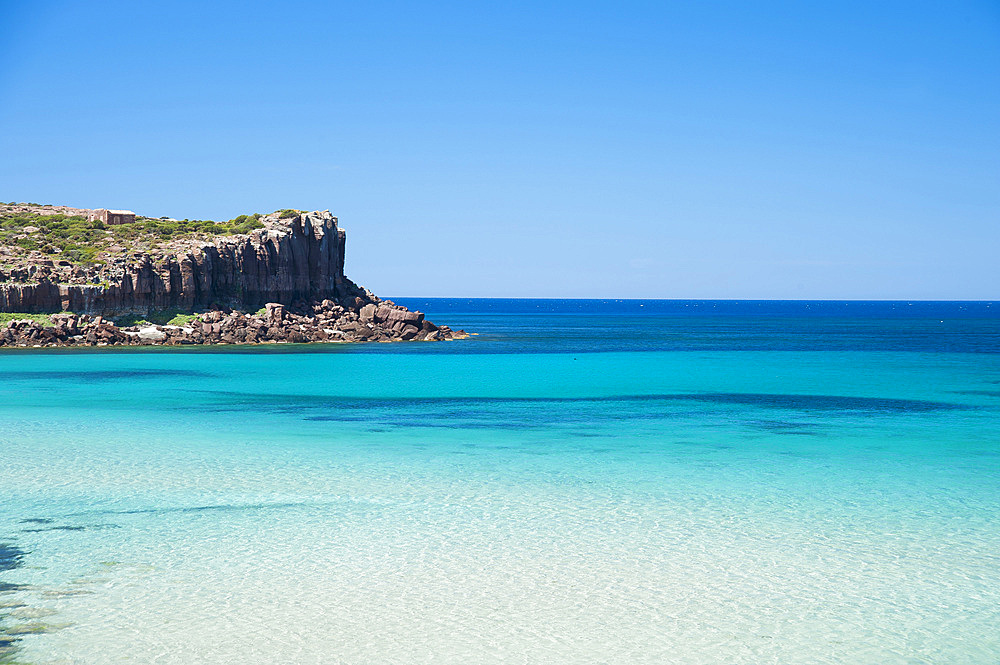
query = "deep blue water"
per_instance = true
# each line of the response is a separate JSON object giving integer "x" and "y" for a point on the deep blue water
{"x": 514, "y": 325}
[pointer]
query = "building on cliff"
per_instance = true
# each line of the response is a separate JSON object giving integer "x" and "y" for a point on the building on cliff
{"x": 112, "y": 216}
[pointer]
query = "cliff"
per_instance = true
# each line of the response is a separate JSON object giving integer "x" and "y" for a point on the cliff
{"x": 291, "y": 259}
{"x": 293, "y": 262}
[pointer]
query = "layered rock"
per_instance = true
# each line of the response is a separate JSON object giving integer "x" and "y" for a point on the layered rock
{"x": 292, "y": 270}
{"x": 296, "y": 258}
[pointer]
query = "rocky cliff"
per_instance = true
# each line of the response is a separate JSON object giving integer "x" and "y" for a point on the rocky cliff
{"x": 293, "y": 264}
{"x": 292, "y": 259}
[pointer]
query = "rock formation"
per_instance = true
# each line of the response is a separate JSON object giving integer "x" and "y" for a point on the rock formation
{"x": 290, "y": 272}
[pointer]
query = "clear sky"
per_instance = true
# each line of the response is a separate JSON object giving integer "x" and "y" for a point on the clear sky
{"x": 567, "y": 149}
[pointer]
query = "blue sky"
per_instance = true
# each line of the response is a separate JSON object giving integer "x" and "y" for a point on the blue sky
{"x": 564, "y": 149}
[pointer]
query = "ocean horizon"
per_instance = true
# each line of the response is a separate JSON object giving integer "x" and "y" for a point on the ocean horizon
{"x": 583, "y": 480}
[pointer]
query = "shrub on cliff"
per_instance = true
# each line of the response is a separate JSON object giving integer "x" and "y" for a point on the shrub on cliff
{"x": 80, "y": 253}
{"x": 244, "y": 223}
{"x": 78, "y": 240}
{"x": 26, "y": 243}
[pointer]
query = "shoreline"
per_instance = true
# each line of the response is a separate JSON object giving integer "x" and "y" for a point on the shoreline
{"x": 221, "y": 347}
{"x": 274, "y": 324}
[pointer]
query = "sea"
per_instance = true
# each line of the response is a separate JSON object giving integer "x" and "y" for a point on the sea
{"x": 581, "y": 481}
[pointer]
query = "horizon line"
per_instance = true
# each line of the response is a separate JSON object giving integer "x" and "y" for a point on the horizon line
{"x": 892, "y": 300}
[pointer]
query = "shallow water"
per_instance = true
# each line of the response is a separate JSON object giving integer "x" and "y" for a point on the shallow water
{"x": 581, "y": 482}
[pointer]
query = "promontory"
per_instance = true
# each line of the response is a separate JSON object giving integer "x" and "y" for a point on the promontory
{"x": 99, "y": 277}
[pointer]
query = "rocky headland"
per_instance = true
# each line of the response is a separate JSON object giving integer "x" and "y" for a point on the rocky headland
{"x": 158, "y": 281}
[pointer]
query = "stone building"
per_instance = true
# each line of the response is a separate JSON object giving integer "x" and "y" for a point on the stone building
{"x": 112, "y": 216}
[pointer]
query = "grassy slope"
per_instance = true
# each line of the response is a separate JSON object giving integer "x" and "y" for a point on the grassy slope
{"x": 6, "y": 317}
{"x": 78, "y": 241}
{"x": 169, "y": 318}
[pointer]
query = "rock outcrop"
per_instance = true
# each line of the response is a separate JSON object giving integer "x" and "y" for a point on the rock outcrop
{"x": 290, "y": 272}
{"x": 290, "y": 259}
{"x": 325, "y": 321}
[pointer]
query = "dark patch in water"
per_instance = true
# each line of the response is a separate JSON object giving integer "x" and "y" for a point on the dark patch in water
{"x": 824, "y": 402}
{"x": 299, "y": 403}
{"x": 985, "y": 393}
{"x": 107, "y": 375}
{"x": 434, "y": 420}
{"x": 190, "y": 509}
{"x": 785, "y": 427}
{"x": 55, "y": 528}
{"x": 384, "y": 414}
{"x": 10, "y": 556}
{"x": 37, "y": 520}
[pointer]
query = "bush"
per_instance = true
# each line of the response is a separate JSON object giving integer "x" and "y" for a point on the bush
{"x": 182, "y": 319}
{"x": 171, "y": 317}
{"x": 80, "y": 253}
{"x": 6, "y": 317}
{"x": 82, "y": 241}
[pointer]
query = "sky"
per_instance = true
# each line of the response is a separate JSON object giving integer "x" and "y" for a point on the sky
{"x": 712, "y": 149}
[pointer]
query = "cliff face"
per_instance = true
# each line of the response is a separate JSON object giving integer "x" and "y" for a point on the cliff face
{"x": 295, "y": 259}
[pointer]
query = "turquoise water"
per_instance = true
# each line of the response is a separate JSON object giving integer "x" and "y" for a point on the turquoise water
{"x": 581, "y": 482}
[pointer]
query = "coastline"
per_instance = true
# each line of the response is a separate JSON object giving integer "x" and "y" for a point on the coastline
{"x": 304, "y": 323}
{"x": 67, "y": 278}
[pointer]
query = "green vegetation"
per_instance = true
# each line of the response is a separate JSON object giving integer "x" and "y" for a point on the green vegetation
{"x": 74, "y": 239}
{"x": 182, "y": 319}
{"x": 171, "y": 317}
{"x": 186, "y": 228}
{"x": 7, "y": 317}
{"x": 287, "y": 212}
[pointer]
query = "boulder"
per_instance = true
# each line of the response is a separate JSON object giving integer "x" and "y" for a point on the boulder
{"x": 275, "y": 312}
{"x": 152, "y": 334}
